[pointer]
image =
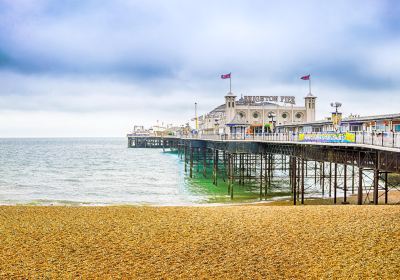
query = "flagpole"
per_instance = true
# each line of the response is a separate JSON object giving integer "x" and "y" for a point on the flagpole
{"x": 230, "y": 82}
{"x": 309, "y": 84}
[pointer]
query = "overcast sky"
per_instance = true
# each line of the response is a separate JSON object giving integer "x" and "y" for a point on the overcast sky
{"x": 96, "y": 68}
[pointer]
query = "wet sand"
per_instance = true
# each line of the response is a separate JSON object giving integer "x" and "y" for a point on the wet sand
{"x": 246, "y": 242}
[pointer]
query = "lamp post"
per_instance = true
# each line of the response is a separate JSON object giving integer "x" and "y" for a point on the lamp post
{"x": 335, "y": 121}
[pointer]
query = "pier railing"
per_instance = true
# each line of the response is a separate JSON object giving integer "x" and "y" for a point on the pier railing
{"x": 383, "y": 139}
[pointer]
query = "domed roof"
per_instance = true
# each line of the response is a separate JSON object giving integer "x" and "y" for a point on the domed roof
{"x": 237, "y": 121}
{"x": 220, "y": 108}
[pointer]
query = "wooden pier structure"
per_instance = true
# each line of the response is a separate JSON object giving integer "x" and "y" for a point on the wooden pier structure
{"x": 330, "y": 170}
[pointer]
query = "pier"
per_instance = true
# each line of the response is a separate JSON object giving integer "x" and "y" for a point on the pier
{"x": 310, "y": 169}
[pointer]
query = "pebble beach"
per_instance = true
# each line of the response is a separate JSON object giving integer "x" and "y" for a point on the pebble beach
{"x": 225, "y": 242}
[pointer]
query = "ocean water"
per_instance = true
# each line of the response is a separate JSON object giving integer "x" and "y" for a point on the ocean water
{"x": 92, "y": 171}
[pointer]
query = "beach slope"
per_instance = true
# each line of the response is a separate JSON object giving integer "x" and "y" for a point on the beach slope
{"x": 253, "y": 242}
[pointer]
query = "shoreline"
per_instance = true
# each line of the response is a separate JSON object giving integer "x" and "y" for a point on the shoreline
{"x": 394, "y": 199}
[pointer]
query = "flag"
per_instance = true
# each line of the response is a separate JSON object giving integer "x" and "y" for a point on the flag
{"x": 226, "y": 76}
{"x": 305, "y": 77}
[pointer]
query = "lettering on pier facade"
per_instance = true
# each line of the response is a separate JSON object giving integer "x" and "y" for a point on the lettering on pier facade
{"x": 269, "y": 98}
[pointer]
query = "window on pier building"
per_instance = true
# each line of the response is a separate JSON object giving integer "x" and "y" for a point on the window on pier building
{"x": 355, "y": 127}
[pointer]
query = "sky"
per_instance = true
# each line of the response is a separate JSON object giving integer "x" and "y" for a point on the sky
{"x": 97, "y": 68}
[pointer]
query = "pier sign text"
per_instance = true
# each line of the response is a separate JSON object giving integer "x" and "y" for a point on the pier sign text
{"x": 262, "y": 98}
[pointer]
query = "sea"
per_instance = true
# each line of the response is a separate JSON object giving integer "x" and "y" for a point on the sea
{"x": 93, "y": 171}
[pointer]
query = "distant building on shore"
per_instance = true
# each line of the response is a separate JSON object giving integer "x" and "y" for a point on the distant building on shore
{"x": 159, "y": 130}
{"x": 256, "y": 114}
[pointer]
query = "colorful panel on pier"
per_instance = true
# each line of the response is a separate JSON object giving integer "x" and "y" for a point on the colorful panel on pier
{"x": 346, "y": 137}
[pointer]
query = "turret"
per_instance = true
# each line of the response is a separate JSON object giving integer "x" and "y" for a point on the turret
{"x": 230, "y": 100}
{"x": 310, "y": 107}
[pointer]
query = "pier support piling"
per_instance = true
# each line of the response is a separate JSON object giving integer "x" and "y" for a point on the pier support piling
{"x": 302, "y": 180}
{"x": 376, "y": 186}
{"x": 360, "y": 187}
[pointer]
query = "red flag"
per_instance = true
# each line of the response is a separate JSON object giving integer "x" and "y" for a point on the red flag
{"x": 226, "y": 76}
{"x": 305, "y": 77}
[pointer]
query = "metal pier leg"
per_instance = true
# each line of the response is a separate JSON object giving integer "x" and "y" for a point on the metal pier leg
{"x": 261, "y": 177}
{"x": 302, "y": 181}
{"x": 269, "y": 170}
{"x": 290, "y": 175}
{"x": 386, "y": 188}
{"x": 229, "y": 171}
{"x": 191, "y": 163}
{"x": 224, "y": 162}
{"x": 232, "y": 178}
{"x": 241, "y": 169}
{"x": 205, "y": 162}
{"x": 360, "y": 187}
{"x": 335, "y": 185}
{"x": 294, "y": 172}
{"x": 323, "y": 179}
{"x": 213, "y": 173}
{"x": 185, "y": 158}
{"x": 352, "y": 179}
{"x": 345, "y": 185}
{"x": 298, "y": 178}
{"x": 243, "y": 162}
{"x": 330, "y": 179}
{"x": 246, "y": 166}
{"x": 198, "y": 160}
{"x": 315, "y": 172}
{"x": 216, "y": 166}
{"x": 265, "y": 175}
{"x": 271, "y": 167}
{"x": 376, "y": 186}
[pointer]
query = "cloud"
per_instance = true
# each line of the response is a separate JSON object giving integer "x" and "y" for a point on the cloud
{"x": 155, "y": 39}
{"x": 152, "y": 60}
